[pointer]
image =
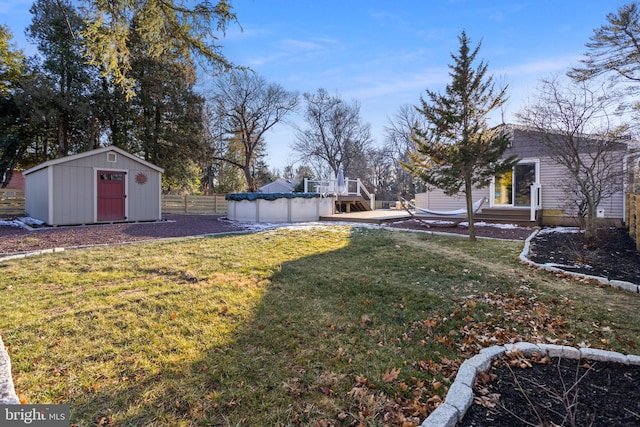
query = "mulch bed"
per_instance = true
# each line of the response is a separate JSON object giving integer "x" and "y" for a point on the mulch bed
{"x": 612, "y": 254}
{"x": 558, "y": 392}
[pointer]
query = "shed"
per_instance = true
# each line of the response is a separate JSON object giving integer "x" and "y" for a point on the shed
{"x": 99, "y": 186}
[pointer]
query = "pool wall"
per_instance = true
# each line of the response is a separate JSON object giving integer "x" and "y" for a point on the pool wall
{"x": 278, "y": 207}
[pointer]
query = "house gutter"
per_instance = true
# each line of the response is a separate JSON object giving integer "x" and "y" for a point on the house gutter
{"x": 625, "y": 184}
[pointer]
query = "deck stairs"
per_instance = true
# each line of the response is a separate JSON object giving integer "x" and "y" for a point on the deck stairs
{"x": 352, "y": 203}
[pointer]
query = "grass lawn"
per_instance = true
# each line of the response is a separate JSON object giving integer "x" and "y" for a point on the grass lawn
{"x": 333, "y": 326}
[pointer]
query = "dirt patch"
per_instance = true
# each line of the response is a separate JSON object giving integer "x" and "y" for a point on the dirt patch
{"x": 495, "y": 231}
{"x": 16, "y": 239}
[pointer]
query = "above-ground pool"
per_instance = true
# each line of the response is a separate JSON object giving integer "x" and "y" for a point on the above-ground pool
{"x": 278, "y": 207}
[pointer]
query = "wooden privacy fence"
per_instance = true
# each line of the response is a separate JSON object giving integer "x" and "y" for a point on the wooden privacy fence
{"x": 633, "y": 217}
{"x": 176, "y": 204}
{"x": 12, "y": 204}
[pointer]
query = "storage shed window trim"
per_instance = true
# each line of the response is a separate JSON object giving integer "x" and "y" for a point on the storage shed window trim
{"x": 112, "y": 157}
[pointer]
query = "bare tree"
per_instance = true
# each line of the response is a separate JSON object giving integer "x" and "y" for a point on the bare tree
{"x": 575, "y": 124}
{"x": 335, "y": 136}
{"x": 383, "y": 175}
{"x": 244, "y": 108}
{"x": 399, "y": 143}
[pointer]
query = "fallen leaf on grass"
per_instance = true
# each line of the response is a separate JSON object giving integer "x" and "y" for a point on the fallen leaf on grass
{"x": 390, "y": 376}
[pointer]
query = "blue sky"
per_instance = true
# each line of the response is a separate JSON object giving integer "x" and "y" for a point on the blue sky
{"x": 384, "y": 54}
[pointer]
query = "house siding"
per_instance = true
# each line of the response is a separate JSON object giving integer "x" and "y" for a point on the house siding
{"x": 554, "y": 194}
{"x": 437, "y": 200}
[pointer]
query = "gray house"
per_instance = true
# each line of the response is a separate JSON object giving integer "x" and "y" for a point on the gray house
{"x": 100, "y": 186}
{"x": 535, "y": 188}
{"x": 280, "y": 185}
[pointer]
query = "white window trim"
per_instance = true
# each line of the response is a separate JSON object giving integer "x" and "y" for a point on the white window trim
{"x": 492, "y": 185}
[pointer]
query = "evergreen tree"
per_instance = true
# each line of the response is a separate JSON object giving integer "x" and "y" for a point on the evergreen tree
{"x": 457, "y": 151}
{"x": 165, "y": 27}
{"x": 13, "y": 142}
{"x": 614, "y": 48}
{"x": 12, "y": 63}
{"x": 163, "y": 123}
{"x": 54, "y": 29}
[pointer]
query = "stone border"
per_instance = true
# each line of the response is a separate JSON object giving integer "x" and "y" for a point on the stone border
{"x": 460, "y": 396}
{"x": 7, "y": 391}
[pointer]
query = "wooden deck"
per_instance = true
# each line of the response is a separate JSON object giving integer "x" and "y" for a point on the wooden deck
{"x": 378, "y": 216}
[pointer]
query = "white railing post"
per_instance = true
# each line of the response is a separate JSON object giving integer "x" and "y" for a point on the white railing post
{"x": 535, "y": 201}
{"x": 306, "y": 185}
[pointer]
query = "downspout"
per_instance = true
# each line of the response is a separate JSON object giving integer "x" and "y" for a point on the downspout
{"x": 625, "y": 182}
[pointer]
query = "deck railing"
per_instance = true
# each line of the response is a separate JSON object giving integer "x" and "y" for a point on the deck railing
{"x": 352, "y": 187}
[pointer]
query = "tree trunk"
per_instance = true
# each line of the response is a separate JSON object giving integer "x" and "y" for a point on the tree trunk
{"x": 591, "y": 224}
{"x": 469, "y": 197}
{"x": 251, "y": 183}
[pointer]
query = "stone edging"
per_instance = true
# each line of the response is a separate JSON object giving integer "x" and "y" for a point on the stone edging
{"x": 460, "y": 395}
{"x": 7, "y": 391}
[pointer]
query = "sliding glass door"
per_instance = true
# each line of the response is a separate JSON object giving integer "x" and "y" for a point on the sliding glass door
{"x": 514, "y": 187}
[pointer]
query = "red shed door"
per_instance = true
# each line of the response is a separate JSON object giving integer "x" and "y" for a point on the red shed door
{"x": 111, "y": 195}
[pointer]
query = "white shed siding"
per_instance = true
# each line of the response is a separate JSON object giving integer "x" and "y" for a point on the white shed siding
{"x": 72, "y": 197}
{"x": 37, "y": 184}
{"x": 144, "y": 200}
